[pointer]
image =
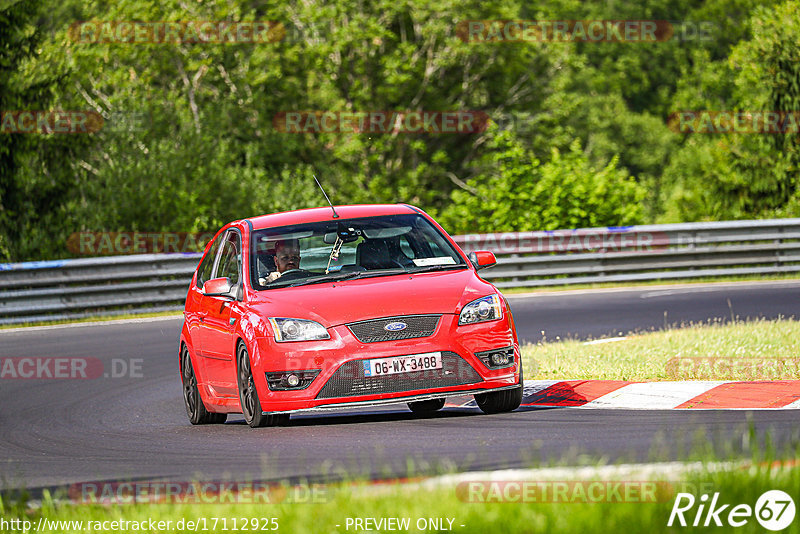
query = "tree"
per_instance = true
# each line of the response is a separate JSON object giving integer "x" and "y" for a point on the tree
{"x": 514, "y": 191}
{"x": 741, "y": 175}
{"x": 18, "y": 40}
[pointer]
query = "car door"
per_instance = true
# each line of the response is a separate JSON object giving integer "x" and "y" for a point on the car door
{"x": 216, "y": 329}
{"x": 193, "y": 311}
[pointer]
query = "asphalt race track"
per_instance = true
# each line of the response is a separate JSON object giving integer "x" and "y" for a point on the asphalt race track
{"x": 613, "y": 312}
{"x": 55, "y": 432}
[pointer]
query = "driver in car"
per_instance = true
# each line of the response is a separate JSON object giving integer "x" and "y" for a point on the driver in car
{"x": 287, "y": 257}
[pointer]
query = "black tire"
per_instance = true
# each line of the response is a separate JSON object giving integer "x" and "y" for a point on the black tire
{"x": 501, "y": 401}
{"x": 195, "y": 409}
{"x": 248, "y": 395}
{"x": 426, "y": 406}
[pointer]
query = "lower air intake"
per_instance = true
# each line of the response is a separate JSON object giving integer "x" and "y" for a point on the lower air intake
{"x": 349, "y": 379}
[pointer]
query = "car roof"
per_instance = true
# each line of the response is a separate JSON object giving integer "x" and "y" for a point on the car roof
{"x": 325, "y": 214}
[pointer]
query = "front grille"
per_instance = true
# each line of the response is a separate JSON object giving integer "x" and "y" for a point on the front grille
{"x": 349, "y": 379}
{"x": 373, "y": 330}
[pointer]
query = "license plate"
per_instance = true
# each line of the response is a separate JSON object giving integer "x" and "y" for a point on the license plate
{"x": 403, "y": 364}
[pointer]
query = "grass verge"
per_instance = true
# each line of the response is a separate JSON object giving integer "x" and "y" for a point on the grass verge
{"x": 575, "y": 501}
{"x": 757, "y": 350}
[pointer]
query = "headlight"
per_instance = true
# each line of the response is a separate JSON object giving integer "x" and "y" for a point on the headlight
{"x": 480, "y": 310}
{"x": 287, "y": 329}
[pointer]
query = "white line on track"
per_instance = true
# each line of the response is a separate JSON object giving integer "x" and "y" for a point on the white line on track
{"x": 91, "y": 323}
{"x": 605, "y": 340}
{"x": 667, "y": 471}
{"x": 674, "y": 288}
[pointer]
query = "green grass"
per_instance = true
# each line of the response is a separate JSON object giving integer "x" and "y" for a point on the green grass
{"x": 736, "y": 484}
{"x": 741, "y": 351}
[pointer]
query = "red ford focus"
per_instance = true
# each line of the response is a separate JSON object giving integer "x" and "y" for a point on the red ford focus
{"x": 354, "y": 306}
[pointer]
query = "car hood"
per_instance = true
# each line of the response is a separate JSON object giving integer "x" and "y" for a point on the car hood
{"x": 335, "y": 303}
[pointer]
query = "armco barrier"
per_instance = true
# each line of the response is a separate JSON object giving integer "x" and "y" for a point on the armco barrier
{"x": 65, "y": 289}
{"x": 636, "y": 253}
{"x": 61, "y": 289}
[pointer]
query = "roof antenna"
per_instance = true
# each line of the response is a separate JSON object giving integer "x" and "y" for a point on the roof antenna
{"x": 335, "y": 215}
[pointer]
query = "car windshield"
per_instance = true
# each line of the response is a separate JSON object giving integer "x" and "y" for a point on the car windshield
{"x": 339, "y": 249}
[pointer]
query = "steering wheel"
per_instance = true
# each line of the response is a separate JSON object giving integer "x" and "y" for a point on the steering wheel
{"x": 294, "y": 274}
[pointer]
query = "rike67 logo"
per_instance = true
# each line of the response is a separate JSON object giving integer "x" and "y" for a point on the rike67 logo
{"x": 774, "y": 510}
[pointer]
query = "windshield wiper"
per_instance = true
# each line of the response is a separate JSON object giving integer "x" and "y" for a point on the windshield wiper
{"x": 350, "y": 276}
{"x": 321, "y": 278}
{"x": 383, "y": 272}
{"x": 431, "y": 268}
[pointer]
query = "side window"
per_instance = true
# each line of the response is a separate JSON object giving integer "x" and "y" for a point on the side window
{"x": 230, "y": 259}
{"x": 204, "y": 270}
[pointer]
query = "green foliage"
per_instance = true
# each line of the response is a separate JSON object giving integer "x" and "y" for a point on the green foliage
{"x": 29, "y": 201}
{"x": 514, "y": 191}
{"x": 189, "y": 141}
{"x": 735, "y": 176}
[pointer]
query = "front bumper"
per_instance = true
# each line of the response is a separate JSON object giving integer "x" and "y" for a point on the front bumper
{"x": 339, "y": 405}
{"x": 341, "y": 382}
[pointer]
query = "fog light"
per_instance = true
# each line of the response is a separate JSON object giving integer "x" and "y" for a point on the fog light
{"x": 291, "y": 380}
{"x": 499, "y": 358}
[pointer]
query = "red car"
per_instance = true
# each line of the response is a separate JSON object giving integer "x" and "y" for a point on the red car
{"x": 339, "y": 307}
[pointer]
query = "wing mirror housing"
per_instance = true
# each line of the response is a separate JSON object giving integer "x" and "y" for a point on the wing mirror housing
{"x": 482, "y": 259}
{"x": 219, "y": 287}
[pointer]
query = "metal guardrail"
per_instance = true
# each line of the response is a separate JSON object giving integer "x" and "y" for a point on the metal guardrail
{"x": 65, "y": 289}
{"x": 640, "y": 253}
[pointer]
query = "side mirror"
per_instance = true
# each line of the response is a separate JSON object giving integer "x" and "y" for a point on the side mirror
{"x": 482, "y": 259}
{"x": 218, "y": 287}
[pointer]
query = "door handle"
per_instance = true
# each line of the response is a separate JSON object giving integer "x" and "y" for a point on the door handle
{"x": 202, "y": 316}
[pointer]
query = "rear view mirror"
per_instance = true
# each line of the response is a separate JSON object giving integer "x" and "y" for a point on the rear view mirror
{"x": 347, "y": 234}
{"x": 482, "y": 259}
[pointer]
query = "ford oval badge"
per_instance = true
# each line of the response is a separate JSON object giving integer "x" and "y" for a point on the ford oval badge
{"x": 395, "y": 327}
